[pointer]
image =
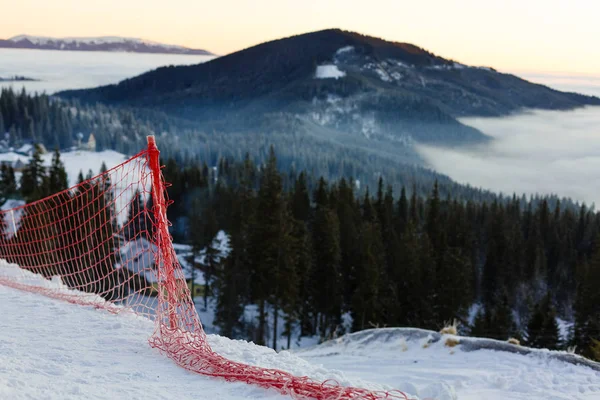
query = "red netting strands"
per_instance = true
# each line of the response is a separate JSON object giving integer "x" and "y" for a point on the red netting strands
{"x": 106, "y": 243}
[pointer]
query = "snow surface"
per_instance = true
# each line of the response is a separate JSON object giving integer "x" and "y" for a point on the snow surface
{"x": 74, "y": 161}
{"x": 396, "y": 357}
{"x": 329, "y": 71}
{"x": 344, "y": 49}
{"x": 55, "y": 350}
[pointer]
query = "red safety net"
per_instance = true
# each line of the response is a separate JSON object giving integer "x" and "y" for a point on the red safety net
{"x": 105, "y": 242}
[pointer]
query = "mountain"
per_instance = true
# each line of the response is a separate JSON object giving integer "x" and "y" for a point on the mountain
{"x": 104, "y": 43}
{"x": 338, "y": 86}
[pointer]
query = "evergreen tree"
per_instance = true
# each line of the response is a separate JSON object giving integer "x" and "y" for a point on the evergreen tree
{"x": 406, "y": 274}
{"x": 327, "y": 282}
{"x": 304, "y": 270}
{"x": 587, "y": 305}
{"x": 56, "y": 180}
{"x": 268, "y": 241}
{"x": 595, "y": 350}
{"x": 136, "y": 221}
{"x": 365, "y": 300}
{"x": 401, "y": 217}
{"x": 503, "y": 324}
{"x": 300, "y": 199}
{"x": 211, "y": 253}
{"x": 33, "y": 178}
{"x": 482, "y": 325}
{"x": 542, "y": 330}
{"x": 232, "y": 280}
{"x": 8, "y": 184}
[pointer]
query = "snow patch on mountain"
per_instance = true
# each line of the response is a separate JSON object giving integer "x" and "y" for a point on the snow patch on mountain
{"x": 345, "y": 49}
{"x": 329, "y": 71}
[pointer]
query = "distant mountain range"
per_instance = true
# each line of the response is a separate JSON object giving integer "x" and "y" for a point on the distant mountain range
{"x": 104, "y": 43}
{"x": 342, "y": 87}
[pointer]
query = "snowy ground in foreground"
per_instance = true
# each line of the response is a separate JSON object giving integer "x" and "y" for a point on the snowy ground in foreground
{"x": 54, "y": 350}
{"x": 386, "y": 357}
{"x": 51, "y": 349}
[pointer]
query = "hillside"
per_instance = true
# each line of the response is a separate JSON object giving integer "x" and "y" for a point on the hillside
{"x": 335, "y": 84}
{"x": 108, "y": 357}
{"x": 104, "y": 43}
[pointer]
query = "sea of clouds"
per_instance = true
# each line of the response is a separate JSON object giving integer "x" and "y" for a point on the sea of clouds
{"x": 546, "y": 152}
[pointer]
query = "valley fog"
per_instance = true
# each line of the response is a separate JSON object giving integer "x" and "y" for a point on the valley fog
{"x": 61, "y": 70}
{"x": 546, "y": 152}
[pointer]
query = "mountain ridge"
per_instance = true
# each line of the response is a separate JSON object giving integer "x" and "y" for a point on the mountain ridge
{"x": 100, "y": 43}
{"x": 356, "y": 85}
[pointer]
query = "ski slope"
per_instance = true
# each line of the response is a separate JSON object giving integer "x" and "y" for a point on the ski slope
{"x": 414, "y": 359}
{"x": 55, "y": 350}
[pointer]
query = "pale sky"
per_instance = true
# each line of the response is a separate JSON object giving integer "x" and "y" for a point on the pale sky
{"x": 510, "y": 35}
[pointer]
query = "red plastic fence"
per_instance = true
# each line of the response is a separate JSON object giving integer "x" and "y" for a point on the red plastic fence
{"x": 107, "y": 241}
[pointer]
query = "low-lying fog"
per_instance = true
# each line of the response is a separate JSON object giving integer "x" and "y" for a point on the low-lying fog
{"x": 535, "y": 152}
{"x": 56, "y": 70}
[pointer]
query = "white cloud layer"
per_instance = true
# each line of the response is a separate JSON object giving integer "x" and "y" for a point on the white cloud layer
{"x": 546, "y": 152}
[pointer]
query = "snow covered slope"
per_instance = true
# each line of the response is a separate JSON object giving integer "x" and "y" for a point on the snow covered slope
{"x": 75, "y": 161}
{"x": 54, "y": 350}
{"x": 394, "y": 356}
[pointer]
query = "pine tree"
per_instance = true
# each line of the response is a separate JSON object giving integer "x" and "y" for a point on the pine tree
{"x": 8, "y": 185}
{"x": 453, "y": 284}
{"x": 33, "y": 178}
{"x": 211, "y": 253}
{"x": 482, "y": 325}
{"x": 267, "y": 257}
{"x": 408, "y": 279}
{"x": 326, "y": 279}
{"x": 233, "y": 277}
{"x": 285, "y": 296}
{"x": 300, "y": 199}
{"x": 503, "y": 324}
{"x": 542, "y": 330}
{"x": 401, "y": 217}
{"x": 303, "y": 271}
{"x": 433, "y": 223}
{"x": 320, "y": 194}
{"x": 349, "y": 217}
{"x": 56, "y": 180}
{"x": 427, "y": 304}
{"x": 595, "y": 350}
{"x": 587, "y": 305}
{"x": 136, "y": 221}
{"x": 365, "y": 300}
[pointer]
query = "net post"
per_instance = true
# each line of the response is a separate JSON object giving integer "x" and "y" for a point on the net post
{"x": 162, "y": 231}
